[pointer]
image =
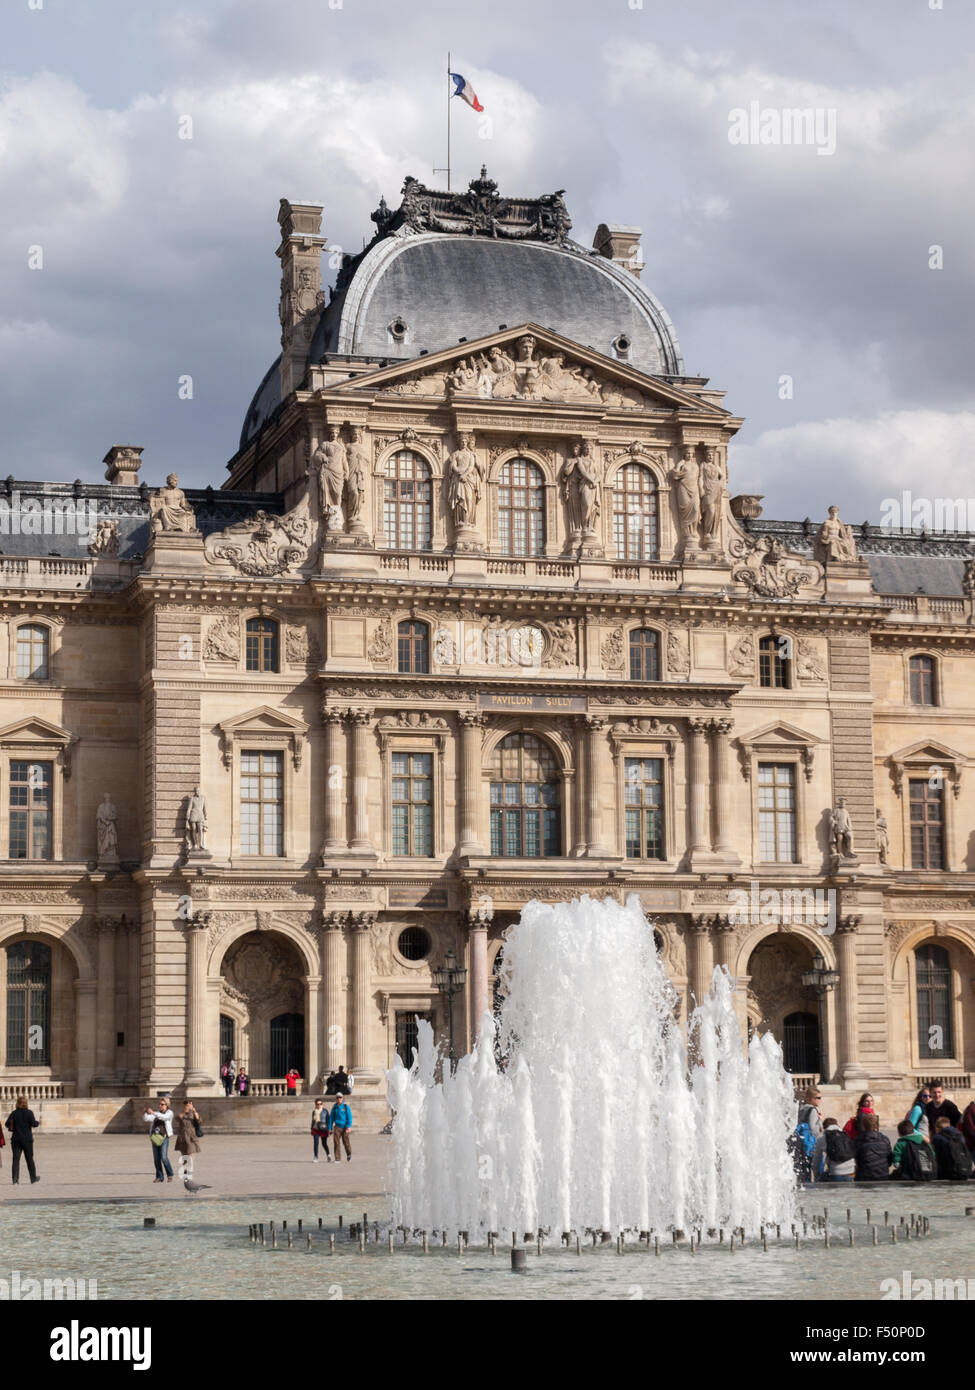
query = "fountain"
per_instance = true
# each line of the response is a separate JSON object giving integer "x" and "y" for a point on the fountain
{"x": 603, "y": 1119}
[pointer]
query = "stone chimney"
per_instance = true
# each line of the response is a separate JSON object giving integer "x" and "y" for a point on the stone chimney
{"x": 621, "y": 245}
{"x": 302, "y": 299}
{"x": 122, "y": 464}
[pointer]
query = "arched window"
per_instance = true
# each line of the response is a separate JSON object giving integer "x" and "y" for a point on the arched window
{"x": 413, "y": 648}
{"x": 407, "y": 502}
{"x": 33, "y": 651}
{"x": 261, "y": 644}
{"x": 28, "y": 1004}
{"x": 635, "y": 513}
{"x": 921, "y": 670}
{"x": 774, "y": 663}
{"x": 932, "y": 972}
{"x": 644, "y": 654}
{"x": 521, "y": 508}
{"x": 525, "y": 809}
{"x": 800, "y": 1044}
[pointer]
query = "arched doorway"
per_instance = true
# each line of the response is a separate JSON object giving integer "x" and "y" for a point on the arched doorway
{"x": 38, "y": 1034}
{"x": 800, "y": 1043}
{"x": 780, "y": 1004}
{"x": 263, "y": 983}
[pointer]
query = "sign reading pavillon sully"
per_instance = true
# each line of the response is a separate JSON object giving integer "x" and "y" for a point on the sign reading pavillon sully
{"x": 475, "y": 619}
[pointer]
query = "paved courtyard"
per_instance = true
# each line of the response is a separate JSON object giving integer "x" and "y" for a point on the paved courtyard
{"x": 89, "y": 1166}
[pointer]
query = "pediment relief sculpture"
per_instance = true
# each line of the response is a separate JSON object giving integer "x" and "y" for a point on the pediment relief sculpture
{"x": 264, "y": 545}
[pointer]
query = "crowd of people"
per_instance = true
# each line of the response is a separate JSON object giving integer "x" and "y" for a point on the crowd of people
{"x": 935, "y": 1140}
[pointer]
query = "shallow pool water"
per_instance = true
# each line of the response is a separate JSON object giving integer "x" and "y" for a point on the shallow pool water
{"x": 201, "y": 1250}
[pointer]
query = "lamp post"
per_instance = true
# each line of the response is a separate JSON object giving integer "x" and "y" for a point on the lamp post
{"x": 449, "y": 979}
{"x": 822, "y": 981}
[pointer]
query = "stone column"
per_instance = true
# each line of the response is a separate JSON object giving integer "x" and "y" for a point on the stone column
{"x": 847, "y": 1067}
{"x": 697, "y": 780}
{"x": 596, "y": 751}
{"x": 335, "y": 1042}
{"x": 360, "y": 924}
{"x": 471, "y": 780}
{"x": 312, "y": 1066}
{"x": 579, "y": 792}
{"x": 336, "y": 792}
{"x": 106, "y": 928}
{"x": 361, "y": 726}
{"x": 701, "y": 967}
{"x": 723, "y": 942}
{"x": 478, "y": 938}
{"x": 722, "y": 783}
{"x": 85, "y": 1025}
{"x": 196, "y": 1004}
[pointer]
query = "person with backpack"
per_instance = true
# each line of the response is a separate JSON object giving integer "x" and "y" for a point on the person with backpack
{"x": 853, "y": 1126}
{"x": 838, "y": 1151}
{"x": 320, "y": 1129}
{"x": 953, "y": 1159}
{"x": 873, "y": 1155}
{"x": 918, "y": 1113}
{"x": 227, "y": 1077}
{"x": 913, "y": 1158}
{"x": 808, "y": 1129}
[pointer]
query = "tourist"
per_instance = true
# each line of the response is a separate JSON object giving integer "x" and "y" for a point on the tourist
{"x": 939, "y": 1108}
{"x": 160, "y": 1133}
{"x": 227, "y": 1077}
{"x": 343, "y": 1082}
{"x": 918, "y": 1113}
{"x": 873, "y": 1155}
{"x": 809, "y": 1127}
{"x": 188, "y": 1130}
{"x": 340, "y": 1123}
{"x": 913, "y": 1159}
{"x": 865, "y": 1108}
{"x": 243, "y": 1083}
{"x": 837, "y": 1149}
{"x": 319, "y": 1129}
{"x": 22, "y": 1122}
{"x": 291, "y": 1079}
{"x": 953, "y": 1159}
{"x": 967, "y": 1126}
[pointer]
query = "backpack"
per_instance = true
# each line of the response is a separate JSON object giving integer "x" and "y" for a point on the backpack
{"x": 961, "y": 1159}
{"x": 917, "y": 1162}
{"x": 839, "y": 1146}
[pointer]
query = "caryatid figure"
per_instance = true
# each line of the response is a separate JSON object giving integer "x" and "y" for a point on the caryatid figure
{"x": 580, "y": 489}
{"x": 687, "y": 494}
{"x": 357, "y": 469}
{"x": 464, "y": 484}
{"x": 712, "y": 486}
{"x": 106, "y": 825}
{"x": 331, "y": 463}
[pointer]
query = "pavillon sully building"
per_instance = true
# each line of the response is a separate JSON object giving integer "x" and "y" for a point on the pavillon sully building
{"x": 474, "y": 619}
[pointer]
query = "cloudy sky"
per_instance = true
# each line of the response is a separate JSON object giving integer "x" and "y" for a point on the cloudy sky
{"x": 774, "y": 261}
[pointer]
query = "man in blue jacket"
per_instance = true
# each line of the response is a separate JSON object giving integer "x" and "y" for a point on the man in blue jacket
{"x": 340, "y": 1123}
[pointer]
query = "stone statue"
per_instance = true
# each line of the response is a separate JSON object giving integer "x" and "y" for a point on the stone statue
{"x": 106, "y": 824}
{"x": 712, "y": 486}
{"x": 968, "y": 579}
{"x": 687, "y": 494}
{"x": 463, "y": 379}
{"x": 836, "y": 539}
{"x": 196, "y": 821}
{"x": 169, "y": 509}
{"x": 464, "y": 481}
{"x": 106, "y": 539}
{"x": 330, "y": 460}
{"x": 883, "y": 837}
{"x": 579, "y": 481}
{"x": 841, "y": 830}
{"x": 357, "y": 465}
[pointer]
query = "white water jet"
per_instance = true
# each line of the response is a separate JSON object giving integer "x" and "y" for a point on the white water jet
{"x": 603, "y": 1119}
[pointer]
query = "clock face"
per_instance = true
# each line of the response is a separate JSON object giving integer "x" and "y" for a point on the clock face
{"x": 527, "y": 644}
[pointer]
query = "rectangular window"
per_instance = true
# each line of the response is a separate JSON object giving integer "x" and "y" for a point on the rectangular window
{"x": 412, "y": 802}
{"x": 777, "y": 813}
{"x": 643, "y": 796}
{"x": 31, "y": 806}
{"x": 927, "y": 824}
{"x": 261, "y": 803}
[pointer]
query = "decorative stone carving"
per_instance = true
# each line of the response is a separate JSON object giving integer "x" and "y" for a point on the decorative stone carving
{"x": 743, "y": 656}
{"x": 968, "y": 579}
{"x": 809, "y": 664}
{"x": 835, "y": 540}
{"x": 106, "y": 538}
{"x": 580, "y": 480}
{"x": 841, "y": 830}
{"x": 613, "y": 651}
{"x": 712, "y": 492}
{"x": 678, "y": 656}
{"x": 300, "y": 647}
{"x": 687, "y": 496}
{"x": 769, "y": 571}
{"x": 464, "y": 480}
{"x": 331, "y": 465}
{"x": 645, "y": 728}
{"x": 562, "y": 645}
{"x": 413, "y": 719}
{"x": 169, "y": 509}
{"x": 883, "y": 837}
{"x": 263, "y": 545}
{"x": 357, "y": 470}
{"x": 478, "y": 211}
{"x": 380, "y": 649}
{"x": 223, "y": 639}
{"x": 196, "y": 821}
{"x": 106, "y": 826}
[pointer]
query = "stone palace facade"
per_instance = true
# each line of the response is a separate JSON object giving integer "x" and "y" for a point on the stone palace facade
{"x": 475, "y": 619}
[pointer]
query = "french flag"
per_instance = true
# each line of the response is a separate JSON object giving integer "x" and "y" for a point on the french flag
{"x": 462, "y": 88}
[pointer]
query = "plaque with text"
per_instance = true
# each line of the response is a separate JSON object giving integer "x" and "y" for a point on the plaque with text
{"x": 522, "y": 700}
{"x": 417, "y": 897}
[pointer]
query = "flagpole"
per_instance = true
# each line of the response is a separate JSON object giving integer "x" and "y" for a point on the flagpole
{"x": 448, "y": 120}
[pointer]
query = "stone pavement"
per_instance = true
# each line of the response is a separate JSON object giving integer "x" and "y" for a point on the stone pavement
{"x": 83, "y": 1167}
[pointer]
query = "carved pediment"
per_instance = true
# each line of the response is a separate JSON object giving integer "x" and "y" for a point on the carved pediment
{"x": 530, "y": 364}
{"x": 777, "y": 738}
{"x": 930, "y": 758}
{"x": 263, "y": 726}
{"x": 34, "y": 731}
{"x": 263, "y": 545}
{"x": 771, "y": 571}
